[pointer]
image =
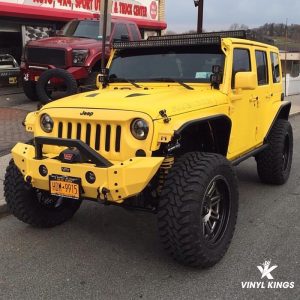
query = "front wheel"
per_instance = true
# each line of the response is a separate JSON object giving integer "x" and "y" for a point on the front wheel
{"x": 198, "y": 209}
{"x": 34, "y": 207}
{"x": 29, "y": 88}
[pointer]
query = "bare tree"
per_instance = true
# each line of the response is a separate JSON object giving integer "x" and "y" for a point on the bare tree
{"x": 237, "y": 26}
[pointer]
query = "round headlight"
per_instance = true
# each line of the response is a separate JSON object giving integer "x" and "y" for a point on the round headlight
{"x": 139, "y": 129}
{"x": 46, "y": 123}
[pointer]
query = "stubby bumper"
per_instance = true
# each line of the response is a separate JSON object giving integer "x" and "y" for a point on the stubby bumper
{"x": 120, "y": 179}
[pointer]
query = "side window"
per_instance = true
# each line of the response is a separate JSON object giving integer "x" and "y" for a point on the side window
{"x": 120, "y": 29}
{"x": 275, "y": 67}
{"x": 262, "y": 67}
{"x": 134, "y": 32}
{"x": 241, "y": 63}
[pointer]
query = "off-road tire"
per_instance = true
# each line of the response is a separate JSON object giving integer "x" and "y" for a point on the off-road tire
{"x": 274, "y": 163}
{"x": 23, "y": 203}
{"x": 29, "y": 88}
{"x": 180, "y": 219}
{"x": 90, "y": 82}
{"x": 69, "y": 81}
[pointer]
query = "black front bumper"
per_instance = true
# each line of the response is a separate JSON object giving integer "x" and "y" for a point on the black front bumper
{"x": 87, "y": 153}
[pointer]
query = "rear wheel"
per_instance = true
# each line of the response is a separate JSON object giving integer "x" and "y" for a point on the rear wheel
{"x": 90, "y": 82}
{"x": 274, "y": 163}
{"x": 198, "y": 209}
{"x": 34, "y": 207}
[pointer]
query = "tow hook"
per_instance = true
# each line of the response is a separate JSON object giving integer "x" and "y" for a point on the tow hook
{"x": 104, "y": 191}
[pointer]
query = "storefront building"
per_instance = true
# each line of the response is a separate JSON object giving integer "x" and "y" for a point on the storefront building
{"x": 24, "y": 20}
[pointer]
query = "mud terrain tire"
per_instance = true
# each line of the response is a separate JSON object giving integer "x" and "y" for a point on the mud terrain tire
{"x": 197, "y": 186}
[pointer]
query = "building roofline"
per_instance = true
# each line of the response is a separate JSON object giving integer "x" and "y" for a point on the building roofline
{"x": 61, "y": 15}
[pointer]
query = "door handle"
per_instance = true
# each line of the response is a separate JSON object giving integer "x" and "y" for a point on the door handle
{"x": 255, "y": 99}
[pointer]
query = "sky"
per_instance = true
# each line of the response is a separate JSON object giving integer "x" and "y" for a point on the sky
{"x": 220, "y": 14}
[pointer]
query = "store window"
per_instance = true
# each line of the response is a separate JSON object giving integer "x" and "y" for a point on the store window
{"x": 120, "y": 30}
{"x": 134, "y": 32}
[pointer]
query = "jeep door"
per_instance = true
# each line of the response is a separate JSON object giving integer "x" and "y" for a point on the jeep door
{"x": 269, "y": 88}
{"x": 263, "y": 92}
{"x": 243, "y": 104}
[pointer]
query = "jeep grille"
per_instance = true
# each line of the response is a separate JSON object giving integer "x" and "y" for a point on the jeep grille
{"x": 44, "y": 56}
{"x": 101, "y": 137}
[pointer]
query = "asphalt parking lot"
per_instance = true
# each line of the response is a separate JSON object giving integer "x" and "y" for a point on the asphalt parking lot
{"x": 110, "y": 253}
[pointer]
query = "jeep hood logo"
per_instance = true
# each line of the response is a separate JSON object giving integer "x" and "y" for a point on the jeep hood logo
{"x": 86, "y": 113}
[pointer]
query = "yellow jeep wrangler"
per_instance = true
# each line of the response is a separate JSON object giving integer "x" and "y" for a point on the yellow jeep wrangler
{"x": 172, "y": 117}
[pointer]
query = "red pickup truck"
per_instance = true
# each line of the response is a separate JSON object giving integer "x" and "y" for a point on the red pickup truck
{"x": 71, "y": 59}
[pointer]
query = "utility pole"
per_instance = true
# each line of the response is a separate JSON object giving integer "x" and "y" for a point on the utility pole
{"x": 200, "y": 5}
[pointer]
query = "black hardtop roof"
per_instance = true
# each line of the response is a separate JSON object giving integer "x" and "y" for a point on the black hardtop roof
{"x": 209, "y": 38}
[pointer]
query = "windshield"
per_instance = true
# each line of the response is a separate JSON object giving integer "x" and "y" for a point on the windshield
{"x": 189, "y": 64}
{"x": 84, "y": 29}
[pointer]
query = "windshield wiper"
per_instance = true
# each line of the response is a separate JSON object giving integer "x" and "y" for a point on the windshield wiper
{"x": 117, "y": 79}
{"x": 167, "y": 79}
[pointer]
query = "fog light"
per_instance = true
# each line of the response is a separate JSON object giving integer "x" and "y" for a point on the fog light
{"x": 43, "y": 170}
{"x": 90, "y": 177}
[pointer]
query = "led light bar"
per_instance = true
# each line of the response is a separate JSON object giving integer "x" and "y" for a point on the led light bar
{"x": 216, "y": 40}
{"x": 241, "y": 34}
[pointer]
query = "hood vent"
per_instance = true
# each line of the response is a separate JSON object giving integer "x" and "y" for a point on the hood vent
{"x": 136, "y": 95}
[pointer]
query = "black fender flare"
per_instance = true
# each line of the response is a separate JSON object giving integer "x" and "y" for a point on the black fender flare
{"x": 283, "y": 113}
{"x": 221, "y": 125}
{"x": 69, "y": 81}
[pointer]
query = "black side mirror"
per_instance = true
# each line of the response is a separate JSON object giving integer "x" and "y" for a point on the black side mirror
{"x": 216, "y": 77}
{"x": 104, "y": 77}
{"x": 216, "y": 69}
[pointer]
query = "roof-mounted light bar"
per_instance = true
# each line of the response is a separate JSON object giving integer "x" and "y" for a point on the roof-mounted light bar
{"x": 168, "y": 42}
{"x": 241, "y": 34}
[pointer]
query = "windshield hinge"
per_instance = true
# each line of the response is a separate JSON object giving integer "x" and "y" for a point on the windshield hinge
{"x": 164, "y": 115}
{"x": 103, "y": 77}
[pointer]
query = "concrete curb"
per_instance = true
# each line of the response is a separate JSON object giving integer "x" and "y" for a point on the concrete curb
{"x": 295, "y": 114}
{"x": 3, "y": 205}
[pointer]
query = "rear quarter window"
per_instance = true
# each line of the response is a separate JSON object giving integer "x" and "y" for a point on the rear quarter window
{"x": 275, "y": 62}
{"x": 262, "y": 67}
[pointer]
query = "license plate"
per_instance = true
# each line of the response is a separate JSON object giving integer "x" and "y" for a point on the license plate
{"x": 64, "y": 186}
{"x": 12, "y": 80}
{"x": 36, "y": 78}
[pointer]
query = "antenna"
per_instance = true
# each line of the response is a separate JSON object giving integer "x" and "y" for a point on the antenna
{"x": 285, "y": 63}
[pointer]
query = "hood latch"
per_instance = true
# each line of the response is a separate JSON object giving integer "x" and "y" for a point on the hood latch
{"x": 163, "y": 114}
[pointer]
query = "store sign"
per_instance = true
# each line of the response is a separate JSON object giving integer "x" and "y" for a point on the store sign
{"x": 141, "y": 9}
